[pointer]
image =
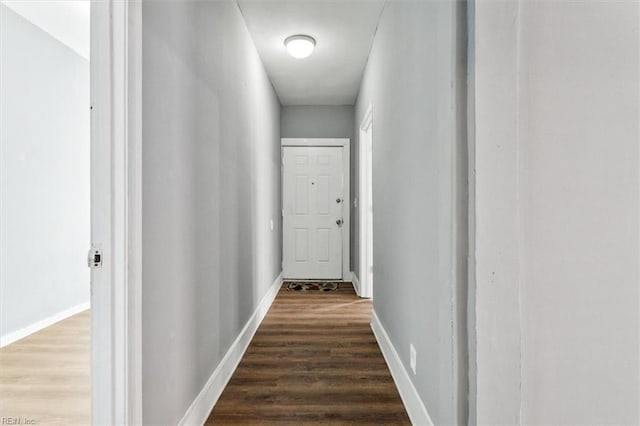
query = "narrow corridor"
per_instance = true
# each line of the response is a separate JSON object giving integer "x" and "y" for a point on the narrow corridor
{"x": 314, "y": 358}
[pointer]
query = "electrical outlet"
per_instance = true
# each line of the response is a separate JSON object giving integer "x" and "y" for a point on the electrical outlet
{"x": 412, "y": 358}
{"x": 271, "y": 224}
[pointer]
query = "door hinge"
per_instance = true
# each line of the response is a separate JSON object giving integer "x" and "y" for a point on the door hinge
{"x": 94, "y": 260}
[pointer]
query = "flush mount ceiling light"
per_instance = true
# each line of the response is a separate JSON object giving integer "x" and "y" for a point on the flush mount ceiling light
{"x": 300, "y": 46}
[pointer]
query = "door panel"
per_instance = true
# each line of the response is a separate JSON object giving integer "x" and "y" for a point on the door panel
{"x": 322, "y": 238}
{"x": 322, "y": 198}
{"x": 302, "y": 245}
{"x": 312, "y": 186}
{"x": 302, "y": 195}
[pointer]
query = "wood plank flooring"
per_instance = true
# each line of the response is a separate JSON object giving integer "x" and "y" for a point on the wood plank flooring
{"x": 313, "y": 360}
{"x": 46, "y": 377}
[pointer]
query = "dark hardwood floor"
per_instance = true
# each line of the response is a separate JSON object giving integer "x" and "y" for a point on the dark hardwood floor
{"x": 313, "y": 360}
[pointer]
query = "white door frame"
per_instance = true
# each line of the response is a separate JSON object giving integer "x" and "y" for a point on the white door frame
{"x": 346, "y": 167}
{"x": 366, "y": 194}
{"x": 116, "y": 183}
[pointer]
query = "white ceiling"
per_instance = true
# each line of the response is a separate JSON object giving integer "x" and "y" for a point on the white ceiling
{"x": 66, "y": 20}
{"x": 343, "y": 30}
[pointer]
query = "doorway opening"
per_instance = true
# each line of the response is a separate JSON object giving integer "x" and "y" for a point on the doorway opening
{"x": 45, "y": 210}
{"x": 73, "y": 148}
{"x": 366, "y": 204}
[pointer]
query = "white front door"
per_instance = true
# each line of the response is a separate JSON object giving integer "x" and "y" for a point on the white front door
{"x": 313, "y": 200}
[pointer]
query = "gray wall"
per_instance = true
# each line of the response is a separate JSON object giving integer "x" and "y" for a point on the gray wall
{"x": 317, "y": 121}
{"x": 412, "y": 78}
{"x": 211, "y": 185}
{"x": 556, "y": 165}
{"x": 44, "y": 172}
{"x": 325, "y": 121}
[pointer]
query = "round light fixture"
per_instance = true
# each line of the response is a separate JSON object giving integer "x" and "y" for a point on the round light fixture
{"x": 300, "y": 46}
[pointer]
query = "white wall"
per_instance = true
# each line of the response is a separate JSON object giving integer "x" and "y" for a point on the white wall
{"x": 412, "y": 79}
{"x": 494, "y": 328}
{"x": 68, "y": 21}
{"x": 579, "y": 168}
{"x": 211, "y": 185}
{"x": 44, "y": 173}
{"x": 557, "y": 198}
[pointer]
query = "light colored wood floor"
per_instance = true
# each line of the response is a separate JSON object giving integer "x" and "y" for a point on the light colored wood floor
{"x": 46, "y": 377}
{"x": 314, "y": 359}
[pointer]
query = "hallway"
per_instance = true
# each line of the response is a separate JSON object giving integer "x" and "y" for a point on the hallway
{"x": 221, "y": 96}
{"x": 313, "y": 359}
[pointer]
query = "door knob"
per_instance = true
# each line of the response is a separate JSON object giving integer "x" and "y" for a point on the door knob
{"x": 338, "y": 200}
{"x": 339, "y": 222}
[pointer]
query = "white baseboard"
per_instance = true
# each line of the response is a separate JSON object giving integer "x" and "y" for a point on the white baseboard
{"x": 415, "y": 408}
{"x": 356, "y": 283}
{"x": 201, "y": 407}
{"x": 44, "y": 323}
